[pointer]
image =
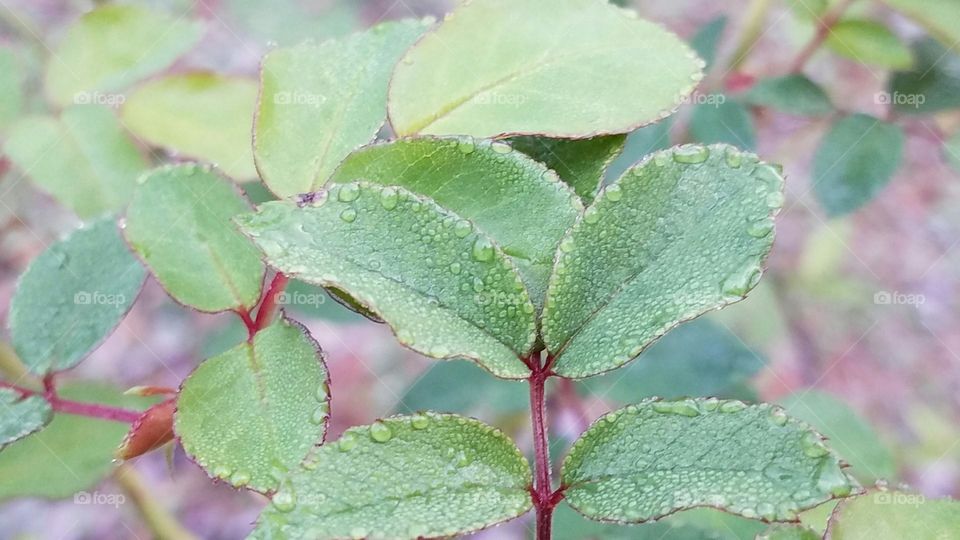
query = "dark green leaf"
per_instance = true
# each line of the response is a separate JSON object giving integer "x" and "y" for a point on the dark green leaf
{"x": 179, "y": 223}
{"x": 252, "y": 413}
{"x": 932, "y": 85}
{"x": 446, "y": 289}
{"x": 426, "y": 475}
{"x": 460, "y": 387}
{"x": 707, "y": 39}
{"x": 517, "y": 201}
{"x": 72, "y": 296}
{"x": 649, "y": 460}
{"x": 581, "y": 163}
{"x": 682, "y": 233}
{"x": 792, "y": 94}
{"x": 855, "y": 161}
{"x": 723, "y": 120}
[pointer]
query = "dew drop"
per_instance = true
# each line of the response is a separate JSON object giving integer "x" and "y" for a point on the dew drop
{"x": 567, "y": 245}
{"x": 778, "y": 417}
{"x": 380, "y": 432}
{"x": 462, "y": 228}
{"x": 348, "y": 215}
{"x": 691, "y": 154}
{"x": 775, "y": 199}
{"x": 813, "y": 446}
{"x": 389, "y": 198}
{"x": 419, "y": 421}
{"x": 348, "y": 192}
{"x": 734, "y": 158}
{"x": 222, "y": 471}
{"x": 591, "y": 216}
{"x": 482, "y": 249}
{"x": 320, "y": 414}
{"x": 455, "y": 268}
{"x": 466, "y": 145}
{"x": 323, "y": 391}
{"x": 240, "y": 478}
{"x": 347, "y": 442}
{"x": 760, "y": 228}
{"x": 614, "y": 193}
{"x": 732, "y": 406}
{"x": 284, "y": 501}
{"x": 831, "y": 478}
{"x": 501, "y": 147}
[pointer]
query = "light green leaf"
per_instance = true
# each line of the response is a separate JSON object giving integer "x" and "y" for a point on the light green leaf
{"x": 320, "y": 102}
{"x": 894, "y": 515}
{"x": 72, "y": 296}
{"x": 707, "y": 39}
{"x": 852, "y": 438}
{"x": 700, "y": 358}
{"x": 932, "y": 85}
{"x": 788, "y": 532}
{"x": 938, "y": 16}
{"x": 560, "y": 68}
{"x": 201, "y": 115}
{"x": 427, "y": 475}
{"x": 581, "y": 163}
{"x": 252, "y": 413}
{"x": 951, "y": 150}
{"x": 649, "y": 460}
{"x": 113, "y": 46}
{"x": 288, "y": 22}
{"x": 683, "y": 232}
{"x": 71, "y": 454}
{"x": 855, "y": 161}
{"x": 21, "y": 415}
{"x": 11, "y": 87}
{"x": 84, "y": 159}
{"x": 695, "y": 524}
{"x": 869, "y": 42}
{"x": 515, "y": 200}
{"x": 792, "y": 94}
{"x": 461, "y": 387}
{"x": 723, "y": 120}
{"x": 179, "y": 223}
{"x": 445, "y": 289}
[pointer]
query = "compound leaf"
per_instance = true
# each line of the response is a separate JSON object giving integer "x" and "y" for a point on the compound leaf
{"x": 894, "y": 515}
{"x": 21, "y": 415}
{"x": 202, "y": 115}
{"x": 515, "y": 200}
{"x": 179, "y": 223}
{"x": 427, "y": 475}
{"x": 581, "y": 163}
{"x": 84, "y": 159}
{"x": 855, "y": 161}
{"x": 252, "y": 413}
{"x": 72, "y": 296}
{"x": 113, "y": 46}
{"x": 560, "y": 68}
{"x": 657, "y": 457}
{"x": 683, "y": 232}
{"x": 445, "y": 288}
{"x": 320, "y": 102}
{"x": 792, "y": 94}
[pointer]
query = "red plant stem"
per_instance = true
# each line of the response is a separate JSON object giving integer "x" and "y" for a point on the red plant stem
{"x": 67, "y": 406}
{"x": 542, "y": 489}
{"x": 269, "y": 305}
{"x": 244, "y": 315}
{"x": 825, "y": 25}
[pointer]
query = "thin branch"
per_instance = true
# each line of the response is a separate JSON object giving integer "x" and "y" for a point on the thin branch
{"x": 161, "y": 522}
{"x": 824, "y": 26}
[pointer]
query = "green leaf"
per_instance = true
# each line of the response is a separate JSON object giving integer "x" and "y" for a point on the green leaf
{"x": 894, "y": 515}
{"x": 707, "y": 39}
{"x": 869, "y": 42}
{"x": 640, "y": 142}
{"x": 932, "y": 85}
{"x": 179, "y": 223}
{"x": 788, "y": 532}
{"x": 683, "y": 232}
{"x": 651, "y": 459}
{"x": 427, "y": 475}
{"x": 515, "y": 200}
{"x": 951, "y": 150}
{"x": 938, "y": 16}
{"x": 113, "y": 46}
{"x": 84, "y": 159}
{"x": 254, "y": 412}
{"x": 445, "y": 289}
{"x": 319, "y": 102}
{"x": 288, "y": 22}
{"x": 201, "y": 115}
{"x": 855, "y": 161}
{"x": 442, "y": 387}
{"x": 700, "y": 358}
{"x": 11, "y": 87}
{"x": 72, "y": 296}
{"x": 695, "y": 524}
{"x": 792, "y": 94}
{"x": 581, "y": 163}
{"x": 560, "y": 68}
{"x": 21, "y": 415}
{"x": 852, "y": 438}
{"x": 723, "y": 120}
{"x": 71, "y": 454}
